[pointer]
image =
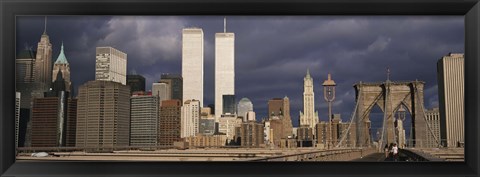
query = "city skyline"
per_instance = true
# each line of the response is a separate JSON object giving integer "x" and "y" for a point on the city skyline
{"x": 289, "y": 68}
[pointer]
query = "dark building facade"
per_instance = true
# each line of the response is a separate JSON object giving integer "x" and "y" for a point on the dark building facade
{"x": 25, "y": 66}
{"x": 50, "y": 116}
{"x": 206, "y": 126}
{"x": 229, "y": 104}
{"x": 45, "y": 122}
{"x": 176, "y": 85}
{"x": 169, "y": 123}
{"x": 136, "y": 83}
{"x": 275, "y": 107}
{"x": 280, "y": 107}
{"x": 71, "y": 122}
{"x": 304, "y": 136}
{"x": 250, "y": 134}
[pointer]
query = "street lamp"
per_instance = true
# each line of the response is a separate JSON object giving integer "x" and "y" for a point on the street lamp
{"x": 329, "y": 95}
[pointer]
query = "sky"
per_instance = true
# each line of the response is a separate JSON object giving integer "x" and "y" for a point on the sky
{"x": 272, "y": 53}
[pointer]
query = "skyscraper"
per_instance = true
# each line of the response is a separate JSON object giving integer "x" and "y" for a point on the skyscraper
{"x": 111, "y": 65}
{"x": 192, "y": 64}
{"x": 43, "y": 61}
{"x": 162, "y": 90}
{"x": 309, "y": 117}
{"x": 103, "y": 115}
{"x": 136, "y": 82}
{"x": 450, "y": 72}
{"x": 175, "y": 83}
{"x": 190, "y": 118}
{"x": 61, "y": 64}
{"x": 169, "y": 124}
{"x": 244, "y": 105}
{"x": 144, "y": 116}
{"x": 224, "y": 68}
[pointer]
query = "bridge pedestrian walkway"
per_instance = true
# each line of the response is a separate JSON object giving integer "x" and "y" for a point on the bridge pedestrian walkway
{"x": 375, "y": 157}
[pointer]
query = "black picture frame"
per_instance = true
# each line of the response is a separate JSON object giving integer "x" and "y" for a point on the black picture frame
{"x": 9, "y": 9}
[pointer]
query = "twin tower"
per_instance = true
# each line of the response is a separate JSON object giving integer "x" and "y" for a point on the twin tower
{"x": 192, "y": 66}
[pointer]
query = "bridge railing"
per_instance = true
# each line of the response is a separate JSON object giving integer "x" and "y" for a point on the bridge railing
{"x": 416, "y": 155}
{"x": 322, "y": 155}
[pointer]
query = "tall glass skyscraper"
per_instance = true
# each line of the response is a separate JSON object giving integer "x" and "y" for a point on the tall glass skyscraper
{"x": 192, "y": 64}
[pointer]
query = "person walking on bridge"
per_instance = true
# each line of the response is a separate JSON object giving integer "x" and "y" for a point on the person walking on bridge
{"x": 395, "y": 152}
{"x": 386, "y": 150}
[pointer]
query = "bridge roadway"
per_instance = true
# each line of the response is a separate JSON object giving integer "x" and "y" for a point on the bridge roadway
{"x": 238, "y": 154}
{"x": 256, "y": 154}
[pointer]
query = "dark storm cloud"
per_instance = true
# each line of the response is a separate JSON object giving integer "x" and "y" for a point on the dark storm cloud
{"x": 272, "y": 54}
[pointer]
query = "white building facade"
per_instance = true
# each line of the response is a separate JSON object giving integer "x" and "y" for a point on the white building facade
{"x": 161, "y": 90}
{"x": 111, "y": 65}
{"x": 451, "y": 98}
{"x": 224, "y": 69}
{"x": 227, "y": 124}
{"x": 192, "y": 64}
{"x": 190, "y": 118}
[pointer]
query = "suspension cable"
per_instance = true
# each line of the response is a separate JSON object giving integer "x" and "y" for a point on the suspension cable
{"x": 425, "y": 118}
{"x": 344, "y": 133}
{"x": 387, "y": 89}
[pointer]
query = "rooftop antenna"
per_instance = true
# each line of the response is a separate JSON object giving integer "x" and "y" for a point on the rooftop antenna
{"x": 224, "y": 24}
{"x": 388, "y": 73}
{"x": 45, "y": 29}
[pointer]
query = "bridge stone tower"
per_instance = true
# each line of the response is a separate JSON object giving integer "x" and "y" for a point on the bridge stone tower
{"x": 389, "y": 96}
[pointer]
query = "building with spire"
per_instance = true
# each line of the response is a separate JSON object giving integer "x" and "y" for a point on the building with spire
{"x": 62, "y": 65}
{"x": 43, "y": 61}
{"x": 224, "y": 68}
{"x": 309, "y": 117}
